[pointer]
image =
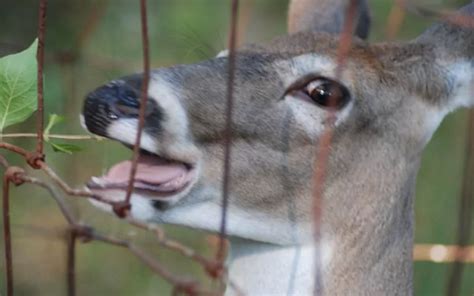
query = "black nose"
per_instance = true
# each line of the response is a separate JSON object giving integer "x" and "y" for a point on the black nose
{"x": 113, "y": 101}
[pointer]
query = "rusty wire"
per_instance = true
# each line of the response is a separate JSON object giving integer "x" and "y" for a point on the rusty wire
{"x": 83, "y": 232}
{"x": 7, "y": 235}
{"x": 86, "y": 233}
{"x": 226, "y": 183}
{"x": 78, "y": 231}
{"x": 323, "y": 149}
{"x": 71, "y": 241}
{"x": 43, "y": 4}
{"x": 121, "y": 211}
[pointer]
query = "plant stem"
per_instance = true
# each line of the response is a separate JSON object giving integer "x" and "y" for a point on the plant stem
{"x": 54, "y": 136}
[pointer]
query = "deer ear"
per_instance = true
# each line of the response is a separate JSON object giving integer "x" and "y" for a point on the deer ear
{"x": 452, "y": 44}
{"x": 455, "y": 37}
{"x": 326, "y": 16}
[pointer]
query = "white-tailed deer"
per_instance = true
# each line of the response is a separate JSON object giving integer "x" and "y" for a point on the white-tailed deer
{"x": 389, "y": 100}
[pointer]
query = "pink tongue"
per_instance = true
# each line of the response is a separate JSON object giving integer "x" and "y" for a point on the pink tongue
{"x": 150, "y": 169}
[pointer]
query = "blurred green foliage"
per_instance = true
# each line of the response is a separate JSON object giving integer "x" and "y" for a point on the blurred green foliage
{"x": 92, "y": 41}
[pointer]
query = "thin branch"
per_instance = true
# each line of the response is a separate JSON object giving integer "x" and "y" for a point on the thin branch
{"x": 209, "y": 265}
{"x": 186, "y": 251}
{"x": 228, "y": 128}
{"x": 87, "y": 233}
{"x": 74, "y": 192}
{"x": 55, "y": 136}
{"x": 63, "y": 206}
{"x": 3, "y": 162}
{"x": 183, "y": 285}
{"x": 15, "y": 149}
{"x": 143, "y": 101}
{"x": 40, "y": 59}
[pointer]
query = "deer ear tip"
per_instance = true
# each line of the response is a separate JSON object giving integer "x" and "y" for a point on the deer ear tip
{"x": 453, "y": 36}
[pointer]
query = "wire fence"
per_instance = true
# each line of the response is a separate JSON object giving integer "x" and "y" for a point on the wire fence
{"x": 459, "y": 254}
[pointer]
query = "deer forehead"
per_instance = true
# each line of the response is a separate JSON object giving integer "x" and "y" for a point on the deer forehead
{"x": 291, "y": 69}
{"x": 172, "y": 91}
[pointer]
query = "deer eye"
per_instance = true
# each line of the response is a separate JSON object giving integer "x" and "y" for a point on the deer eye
{"x": 327, "y": 93}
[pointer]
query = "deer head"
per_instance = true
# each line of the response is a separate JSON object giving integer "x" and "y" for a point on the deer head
{"x": 387, "y": 103}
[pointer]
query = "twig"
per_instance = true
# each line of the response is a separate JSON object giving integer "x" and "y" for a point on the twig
{"x": 40, "y": 59}
{"x": 63, "y": 206}
{"x": 4, "y": 162}
{"x": 31, "y": 158}
{"x": 143, "y": 102}
{"x": 209, "y": 265}
{"x": 15, "y": 149}
{"x": 186, "y": 286}
{"x": 55, "y": 136}
{"x": 228, "y": 128}
{"x": 74, "y": 192}
{"x": 76, "y": 231}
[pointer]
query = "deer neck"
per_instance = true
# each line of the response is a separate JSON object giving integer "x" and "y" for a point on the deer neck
{"x": 370, "y": 252}
{"x": 268, "y": 269}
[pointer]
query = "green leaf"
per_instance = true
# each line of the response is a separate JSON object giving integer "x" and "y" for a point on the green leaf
{"x": 18, "y": 86}
{"x": 65, "y": 148}
{"x": 53, "y": 120}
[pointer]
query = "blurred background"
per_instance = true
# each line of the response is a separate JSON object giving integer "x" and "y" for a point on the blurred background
{"x": 92, "y": 41}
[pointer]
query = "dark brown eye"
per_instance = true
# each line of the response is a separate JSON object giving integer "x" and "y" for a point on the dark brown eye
{"x": 327, "y": 93}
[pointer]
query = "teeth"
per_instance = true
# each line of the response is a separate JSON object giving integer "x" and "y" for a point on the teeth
{"x": 167, "y": 185}
{"x": 96, "y": 180}
{"x": 174, "y": 183}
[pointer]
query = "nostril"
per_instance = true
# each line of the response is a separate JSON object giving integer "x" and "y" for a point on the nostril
{"x": 116, "y": 100}
{"x": 128, "y": 106}
{"x": 126, "y": 101}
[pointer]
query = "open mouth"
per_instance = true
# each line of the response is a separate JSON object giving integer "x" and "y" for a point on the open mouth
{"x": 158, "y": 176}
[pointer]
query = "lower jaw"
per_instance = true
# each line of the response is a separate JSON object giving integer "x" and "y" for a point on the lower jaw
{"x": 119, "y": 193}
{"x": 152, "y": 193}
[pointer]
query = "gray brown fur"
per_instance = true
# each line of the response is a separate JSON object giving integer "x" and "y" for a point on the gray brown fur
{"x": 396, "y": 88}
